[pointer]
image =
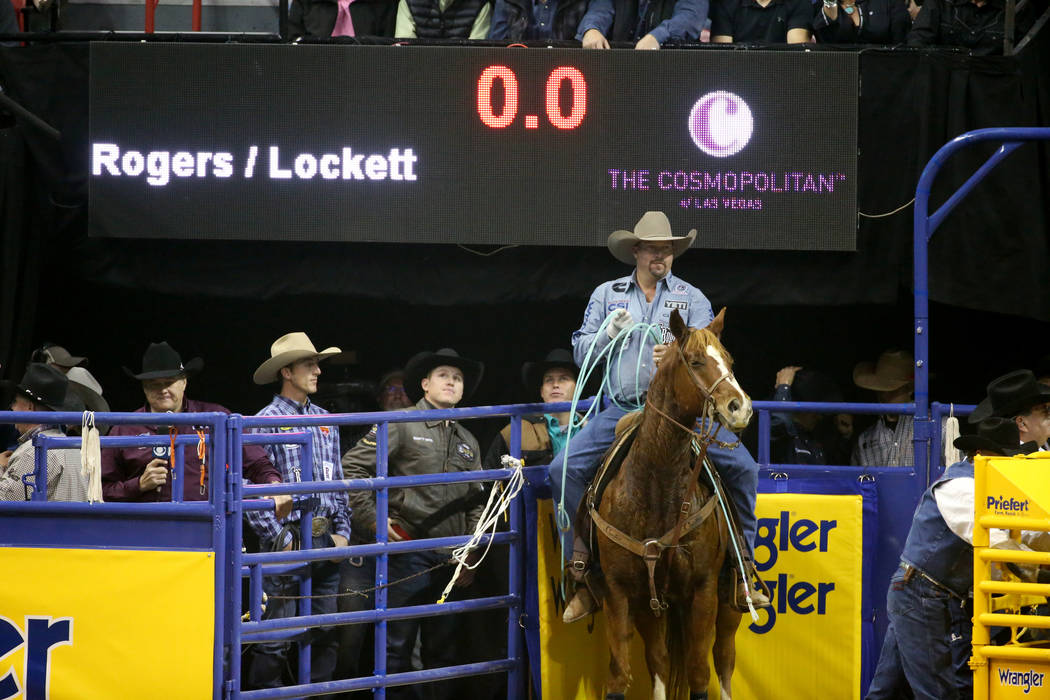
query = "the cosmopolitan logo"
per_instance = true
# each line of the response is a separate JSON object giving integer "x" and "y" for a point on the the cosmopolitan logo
{"x": 1025, "y": 681}
{"x": 1010, "y": 505}
{"x": 720, "y": 124}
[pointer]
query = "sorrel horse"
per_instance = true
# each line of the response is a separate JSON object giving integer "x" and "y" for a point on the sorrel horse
{"x": 658, "y": 543}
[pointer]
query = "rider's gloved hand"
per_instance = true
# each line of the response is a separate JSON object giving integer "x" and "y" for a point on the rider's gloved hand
{"x": 618, "y": 320}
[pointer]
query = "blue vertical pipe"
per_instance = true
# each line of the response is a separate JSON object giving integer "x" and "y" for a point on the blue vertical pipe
{"x": 39, "y": 492}
{"x": 382, "y": 514}
{"x": 921, "y": 321}
{"x": 255, "y": 592}
{"x": 178, "y": 472}
{"x": 233, "y": 514}
{"x": 763, "y": 438}
{"x": 306, "y": 542}
{"x": 226, "y": 515}
{"x": 516, "y": 676}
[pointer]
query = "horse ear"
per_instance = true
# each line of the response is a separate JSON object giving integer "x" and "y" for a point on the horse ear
{"x": 678, "y": 327}
{"x": 718, "y": 324}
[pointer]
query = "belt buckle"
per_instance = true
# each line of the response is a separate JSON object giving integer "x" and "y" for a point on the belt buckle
{"x": 320, "y": 526}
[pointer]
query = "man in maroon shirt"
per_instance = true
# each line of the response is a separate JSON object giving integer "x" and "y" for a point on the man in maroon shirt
{"x": 145, "y": 474}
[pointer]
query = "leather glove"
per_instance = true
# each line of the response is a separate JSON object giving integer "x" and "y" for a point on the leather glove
{"x": 618, "y": 320}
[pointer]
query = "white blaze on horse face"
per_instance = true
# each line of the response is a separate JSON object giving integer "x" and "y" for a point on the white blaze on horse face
{"x": 742, "y": 415}
{"x": 659, "y": 691}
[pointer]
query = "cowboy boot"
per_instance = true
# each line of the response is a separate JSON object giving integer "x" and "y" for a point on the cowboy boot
{"x": 759, "y": 591}
{"x": 582, "y": 602}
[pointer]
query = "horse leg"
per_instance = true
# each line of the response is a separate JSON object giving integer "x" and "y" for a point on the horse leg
{"x": 725, "y": 647}
{"x": 702, "y": 610}
{"x": 654, "y": 632}
{"x": 618, "y": 631}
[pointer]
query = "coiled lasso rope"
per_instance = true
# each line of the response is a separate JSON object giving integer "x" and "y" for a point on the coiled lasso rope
{"x": 500, "y": 498}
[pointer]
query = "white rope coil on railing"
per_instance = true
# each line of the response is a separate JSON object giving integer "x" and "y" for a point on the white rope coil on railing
{"x": 500, "y": 498}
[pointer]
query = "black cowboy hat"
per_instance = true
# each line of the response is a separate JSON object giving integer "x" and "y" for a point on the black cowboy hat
{"x": 811, "y": 385}
{"x": 1011, "y": 394}
{"x": 161, "y": 360}
{"x": 48, "y": 387}
{"x": 422, "y": 363}
{"x": 532, "y": 372}
{"x": 998, "y": 435}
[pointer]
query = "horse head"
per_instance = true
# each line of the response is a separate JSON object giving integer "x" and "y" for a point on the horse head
{"x": 705, "y": 368}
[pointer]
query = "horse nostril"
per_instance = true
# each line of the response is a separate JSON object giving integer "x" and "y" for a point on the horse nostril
{"x": 734, "y": 406}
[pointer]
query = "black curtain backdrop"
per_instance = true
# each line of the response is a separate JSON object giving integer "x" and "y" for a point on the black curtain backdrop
{"x": 228, "y": 301}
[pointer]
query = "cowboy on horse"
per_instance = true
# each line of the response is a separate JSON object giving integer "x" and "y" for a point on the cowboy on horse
{"x": 650, "y": 294}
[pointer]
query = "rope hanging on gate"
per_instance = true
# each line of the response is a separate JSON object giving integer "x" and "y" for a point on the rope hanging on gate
{"x": 951, "y": 434}
{"x": 91, "y": 457}
{"x": 202, "y": 455}
{"x": 489, "y": 520}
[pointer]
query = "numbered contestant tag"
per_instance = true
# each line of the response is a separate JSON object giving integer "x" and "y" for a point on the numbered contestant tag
{"x": 327, "y": 467}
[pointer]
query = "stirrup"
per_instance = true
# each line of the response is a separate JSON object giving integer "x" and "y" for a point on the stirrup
{"x": 760, "y": 593}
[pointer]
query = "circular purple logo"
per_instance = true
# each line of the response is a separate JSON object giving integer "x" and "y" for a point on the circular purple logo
{"x": 720, "y": 124}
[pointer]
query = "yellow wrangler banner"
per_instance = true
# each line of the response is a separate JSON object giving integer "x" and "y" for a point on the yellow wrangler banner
{"x": 809, "y": 551}
{"x": 94, "y": 624}
{"x": 1019, "y": 679}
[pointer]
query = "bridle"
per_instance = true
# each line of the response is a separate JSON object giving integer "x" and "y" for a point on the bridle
{"x": 707, "y": 432}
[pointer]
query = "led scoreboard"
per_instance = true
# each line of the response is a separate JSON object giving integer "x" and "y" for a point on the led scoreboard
{"x": 755, "y": 149}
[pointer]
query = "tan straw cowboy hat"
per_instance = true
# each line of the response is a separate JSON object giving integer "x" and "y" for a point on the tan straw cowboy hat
{"x": 653, "y": 227}
{"x": 286, "y": 350}
{"x": 894, "y": 369}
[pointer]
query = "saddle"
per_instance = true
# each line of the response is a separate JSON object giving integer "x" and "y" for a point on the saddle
{"x": 587, "y": 518}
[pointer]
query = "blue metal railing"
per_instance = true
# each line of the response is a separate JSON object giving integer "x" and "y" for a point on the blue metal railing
{"x": 252, "y": 565}
{"x": 925, "y": 225}
{"x": 209, "y": 511}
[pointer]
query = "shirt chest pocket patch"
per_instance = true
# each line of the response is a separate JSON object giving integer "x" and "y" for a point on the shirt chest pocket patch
{"x": 465, "y": 452}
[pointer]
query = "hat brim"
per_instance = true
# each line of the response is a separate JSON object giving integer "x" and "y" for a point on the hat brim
{"x": 91, "y": 399}
{"x": 188, "y": 369}
{"x": 986, "y": 410}
{"x": 621, "y": 242}
{"x": 865, "y": 376}
{"x": 972, "y": 443}
{"x": 532, "y": 372}
{"x": 421, "y": 366}
{"x": 8, "y": 385}
{"x": 269, "y": 371}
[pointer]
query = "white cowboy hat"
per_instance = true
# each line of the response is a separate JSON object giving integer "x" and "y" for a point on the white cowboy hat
{"x": 653, "y": 227}
{"x": 286, "y": 350}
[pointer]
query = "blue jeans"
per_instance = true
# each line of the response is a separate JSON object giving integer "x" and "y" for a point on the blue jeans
{"x": 736, "y": 467}
{"x": 927, "y": 644}
{"x": 269, "y": 659}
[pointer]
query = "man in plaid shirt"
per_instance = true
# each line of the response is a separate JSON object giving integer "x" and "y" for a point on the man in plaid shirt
{"x": 294, "y": 363}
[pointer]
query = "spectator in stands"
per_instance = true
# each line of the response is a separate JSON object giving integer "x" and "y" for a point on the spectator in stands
{"x": 435, "y": 380}
{"x": 861, "y": 22}
{"x": 522, "y": 20}
{"x": 913, "y": 10}
{"x": 321, "y": 18}
{"x": 929, "y": 602}
{"x": 1019, "y": 397}
{"x": 648, "y": 23}
{"x": 888, "y": 442}
{"x": 977, "y": 25}
{"x": 761, "y": 22}
{"x": 809, "y": 438}
{"x": 544, "y": 435}
{"x": 443, "y": 19}
{"x": 58, "y": 357}
{"x": 42, "y": 389}
{"x": 390, "y": 392}
{"x": 141, "y": 474}
{"x": 294, "y": 364}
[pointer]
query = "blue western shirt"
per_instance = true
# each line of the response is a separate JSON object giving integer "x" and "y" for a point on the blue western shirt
{"x": 685, "y": 24}
{"x": 627, "y": 382}
{"x": 326, "y": 467}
